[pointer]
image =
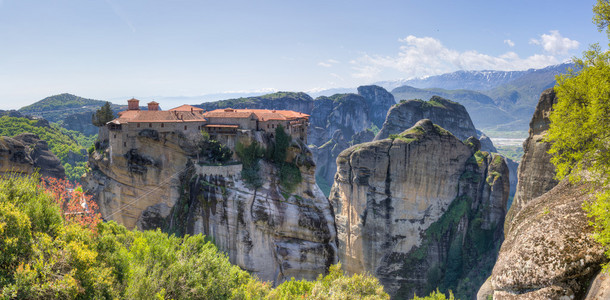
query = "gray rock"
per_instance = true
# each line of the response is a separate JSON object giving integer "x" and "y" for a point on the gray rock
{"x": 448, "y": 114}
{"x": 379, "y": 102}
{"x": 26, "y": 153}
{"x": 397, "y": 212}
{"x": 536, "y": 173}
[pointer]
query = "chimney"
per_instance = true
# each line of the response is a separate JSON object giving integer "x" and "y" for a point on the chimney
{"x": 153, "y": 106}
{"x": 133, "y": 104}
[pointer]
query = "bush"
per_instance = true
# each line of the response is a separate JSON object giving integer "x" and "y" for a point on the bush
{"x": 250, "y": 156}
{"x": 43, "y": 255}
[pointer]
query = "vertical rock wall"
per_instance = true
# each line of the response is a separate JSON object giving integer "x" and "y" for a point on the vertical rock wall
{"x": 420, "y": 211}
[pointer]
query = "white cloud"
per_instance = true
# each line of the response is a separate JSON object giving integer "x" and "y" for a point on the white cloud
{"x": 328, "y": 63}
{"x": 428, "y": 56}
{"x": 509, "y": 43}
{"x": 554, "y": 43}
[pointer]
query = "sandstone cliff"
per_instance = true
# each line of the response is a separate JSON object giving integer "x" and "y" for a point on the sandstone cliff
{"x": 274, "y": 233}
{"x": 447, "y": 114}
{"x": 536, "y": 173}
{"x": 379, "y": 102}
{"x": 27, "y": 153}
{"x": 548, "y": 252}
{"x": 343, "y": 120}
{"x": 420, "y": 211}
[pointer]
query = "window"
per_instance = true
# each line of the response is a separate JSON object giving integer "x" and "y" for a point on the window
{"x": 184, "y": 127}
{"x": 162, "y": 125}
{"x": 149, "y": 125}
{"x": 115, "y": 136}
{"x": 125, "y": 143}
{"x": 272, "y": 125}
{"x": 267, "y": 126}
{"x": 138, "y": 125}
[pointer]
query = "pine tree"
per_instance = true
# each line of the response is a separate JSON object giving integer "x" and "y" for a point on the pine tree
{"x": 103, "y": 115}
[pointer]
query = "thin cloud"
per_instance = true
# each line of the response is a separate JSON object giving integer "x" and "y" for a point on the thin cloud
{"x": 554, "y": 43}
{"x": 328, "y": 63}
{"x": 509, "y": 43}
{"x": 425, "y": 56}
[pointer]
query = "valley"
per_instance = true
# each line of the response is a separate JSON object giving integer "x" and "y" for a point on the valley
{"x": 411, "y": 192}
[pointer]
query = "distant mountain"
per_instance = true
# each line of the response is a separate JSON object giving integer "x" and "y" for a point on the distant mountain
{"x": 333, "y": 91}
{"x": 476, "y": 80}
{"x": 496, "y": 100}
{"x": 70, "y": 111}
{"x": 280, "y": 100}
{"x": 60, "y": 102}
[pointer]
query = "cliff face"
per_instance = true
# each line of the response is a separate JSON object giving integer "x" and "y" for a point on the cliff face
{"x": 341, "y": 121}
{"x": 26, "y": 153}
{"x": 269, "y": 231}
{"x": 536, "y": 173}
{"x": 379, "y": 102}
{"x": 447, "y": 114}
{"x": 548, "y": 252}
{"x": 420, "y": 209}
{"x": 80, "y": 122}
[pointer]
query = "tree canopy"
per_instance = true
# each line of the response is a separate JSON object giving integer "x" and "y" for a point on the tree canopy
{"x": 103, "y": 115}
{"x": 580, "y": 127}
{"x": 52, "y": 246}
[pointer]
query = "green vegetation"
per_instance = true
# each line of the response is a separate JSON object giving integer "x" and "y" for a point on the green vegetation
{"x": 44, "y": 255}
{"x": 290, "y": 175}
{"x": 61, "y": 101}
{"x": 579, "y": 127}
{"x": 57, "y": 108}
{"x": 513, "y": 152}
{"x": 61, "y": 141}
{"x": 212, "y": 151}
{"x": 103, "y": 115}
{"x": 441, "y": 130}
{"x": 250, "y": 156}
{"x": 374, "y": 129}
{"x": 436, "y": 295}
{"x": 278, "y": 99}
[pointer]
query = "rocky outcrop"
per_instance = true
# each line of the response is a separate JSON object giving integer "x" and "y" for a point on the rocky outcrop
{"x": 447, "y": 114}
{"x": 80, "y": 122}
{"x": 536, "y": 173}
{"x": 420, "y": 211}
{"x": 343, "y": 120}
{"x": 27, "y": 153}
{"x": 549, "y": 251}
{"x": 379, "y": 102}
{"x": 270, "y": 231}
{"x": 348, "y": 113}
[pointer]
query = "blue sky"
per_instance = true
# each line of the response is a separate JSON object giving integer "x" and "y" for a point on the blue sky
{"x": 112, "y": 49}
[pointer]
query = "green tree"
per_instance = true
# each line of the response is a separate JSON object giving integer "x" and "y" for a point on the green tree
{"x": 579, "y": 126}
{"x": 102, "y": 115}
{"x": 282, "y": 141}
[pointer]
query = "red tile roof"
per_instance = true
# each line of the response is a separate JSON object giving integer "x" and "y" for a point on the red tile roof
{"x": 186, "y": 107}
{"x": 260, "y": 114}
{"x": 141, "y": 116}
